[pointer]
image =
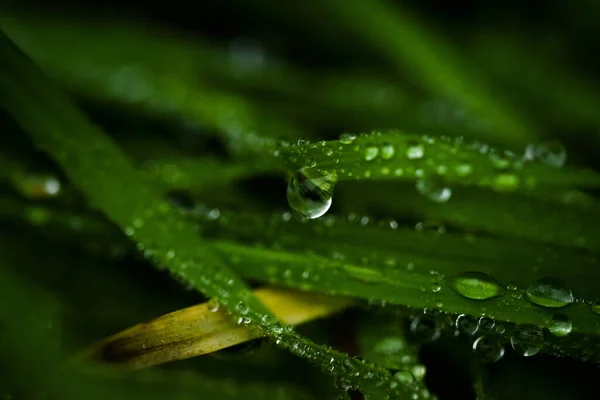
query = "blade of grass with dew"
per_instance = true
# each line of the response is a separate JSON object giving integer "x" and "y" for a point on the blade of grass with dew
{"x": 396, "y": 155}
{"x": 101, "y": 170}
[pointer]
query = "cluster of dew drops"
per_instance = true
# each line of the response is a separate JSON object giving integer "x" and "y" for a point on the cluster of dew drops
{"x": 310, "y": 189}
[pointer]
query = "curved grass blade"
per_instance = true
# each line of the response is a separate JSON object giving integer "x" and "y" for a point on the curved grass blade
{"x": 101, "y": 170}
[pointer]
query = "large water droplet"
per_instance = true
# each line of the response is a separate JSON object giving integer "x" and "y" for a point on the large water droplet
{"x": 477, "y": 286}
{"x": 550, "y": 292}
{"x": 425, "y": 328}
{"x": 527, "y": 340}
{"x": 310, "y": 192}
{"x": 488, "y": 349}
{"x": 467, "y": 324}
{"x": 347, "y": 138}
{"x": 551, "y": 153}
{"x": 560, "y": 325}
{"x": 434, "y": 190}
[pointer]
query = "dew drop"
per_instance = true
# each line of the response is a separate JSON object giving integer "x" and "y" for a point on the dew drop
{"x": 242, "y": 308}
{"x": 425, "y": 328}
{"x": 551, "y": 153}
{"x": 434, "y": 190}
{"x": 213, "y": 305}
{"x": 415, "y": 152}
{"x": 405, "y": 378}
{"x": 527, "y": 340}
{"x": 347, "y": 138}
{"x": 371, "y": 152}
{"x": 486, "y": 323}
{"x": 560, "y": 325}
{"x": 387, "y": 151}
{"x": 38, "y": 186}
{"x": 488, "y": 349}
{"x": 476, "y": 286}
{"x": 310, "y": 192}
{"x": 550, "y": 292}
{"x": 467, "y": 324}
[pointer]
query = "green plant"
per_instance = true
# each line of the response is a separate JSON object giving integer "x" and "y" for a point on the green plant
{"x": 471, "y": 226}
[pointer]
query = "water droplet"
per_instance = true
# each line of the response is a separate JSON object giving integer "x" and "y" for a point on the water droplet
{"x": 434, "y": 190}
{"x": 486, "y": 323}
{"x": 213, "y": 305}
{"x": 387, "y": 151}
{"x": 311, "y": 162}
{"x": 476, "y": 286}
{"x": 488, "y": 349}
{"x": 550, "y": 292}
{"x": 425, "y": 328}
{"x": 347, "y": 138}
{"x": 467, "y": 324}
{"x": 242, "y": 308}
{"x": 310, "y": 192}
{"x": 371, "y": 152}
{"x": 405, "y": 378}
{"x": 415, "y": 152}
{"x": 595, "y": 307}
{"x": 527, "y": 340}
{"x": 551, "y": 153}
{"x": 37, "y": 186}
{"x": 561, "y": 325}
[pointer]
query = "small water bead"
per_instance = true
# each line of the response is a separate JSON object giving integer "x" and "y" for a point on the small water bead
{"x": 415, "y": 152}
{"x": 477, "y": 286}
{"x": 560, "y": 325}
{"x": 347, "y": 138}
{"x": 371, "y": 152}
{"x": 488, "y": 349}
{"x": 467, "y": 324}
{"x": 387, "y": 151}
{"x": 310, "y": 192}
{"x": 527, "y": 340}
{"x": 404, "y": 378}
{"x": 242, "y": 308}
{"x": 311, "y": 162}
{"x": 486, "y": 323}
{"x": 551, "y": 153}
{"x": 213, "y": 305}
{"x": 425, "y": 328}
{"x": 550, "y": 292}
{"x": 434, "y": 190}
